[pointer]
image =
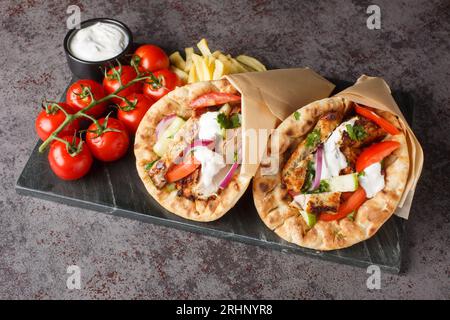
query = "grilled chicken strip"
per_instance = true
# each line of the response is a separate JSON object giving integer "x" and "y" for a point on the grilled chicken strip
{"x": 327, "y": 202}
{"x": 185, "y": 186}
{"x": 352, "y": 148}
{"x": 294, "y": 170}
{"x": 158, "y": 173}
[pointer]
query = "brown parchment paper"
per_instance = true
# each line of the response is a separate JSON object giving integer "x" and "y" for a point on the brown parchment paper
{"x": 270, "y": 97}
{"x": 374, "y": 92}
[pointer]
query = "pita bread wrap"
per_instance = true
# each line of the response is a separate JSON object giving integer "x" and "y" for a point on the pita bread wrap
{"x": 301, "y": 85}
{"x": 178, "y": 102}
{"x": 274, "y": 200}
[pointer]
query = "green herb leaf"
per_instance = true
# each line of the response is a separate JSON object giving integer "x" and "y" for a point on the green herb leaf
{"x": 297, "y": 115}
{"x": 170, "y": 187}
{"x": 149, "y": 165}
{"x": 356, "y": 132}
{"x": 323, "y": 187}
{"x": 222, "y": 120}
{"x": 351, "y": 216}
{"x": 228, "y": 122}
{"x": 235, "y": 121}
{"x": 310, "y": 173}
{"x": 313, "y": 139}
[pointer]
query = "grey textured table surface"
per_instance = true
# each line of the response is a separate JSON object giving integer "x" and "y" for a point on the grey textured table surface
{"x": 120, "y": 258}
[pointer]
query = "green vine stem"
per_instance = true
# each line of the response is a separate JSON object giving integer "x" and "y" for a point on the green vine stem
{"x": 82, "y": 113}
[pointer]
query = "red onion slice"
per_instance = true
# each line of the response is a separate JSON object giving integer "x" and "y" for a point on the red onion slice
{"x": 226, "y": 181}
{"x": 163, "y": 124}
{"x": 318, "y": 167}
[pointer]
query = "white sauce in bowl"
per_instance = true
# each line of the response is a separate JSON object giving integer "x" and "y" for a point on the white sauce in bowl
{"x": 98, "y": 42}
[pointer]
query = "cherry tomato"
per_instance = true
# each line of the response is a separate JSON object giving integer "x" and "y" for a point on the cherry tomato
{"x": 108, "y": 145}
{"x": 383, "y": 123}
{"x": 51, "y": 118}
{"x": 78, "y": 97}
{"x": 111, "y": 82}
{"x": 352, "y": 203}
{"x": 151, "y": 58}
{"x": 132, "y": 115}
{"x": 375, "y": 153}
{"x": 214, "y": 99}
{"x": 166, "y": 82}
{"x": 69, "y": 166}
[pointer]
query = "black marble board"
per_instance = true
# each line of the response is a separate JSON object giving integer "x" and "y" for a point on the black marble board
{"x": 116, "y": 189}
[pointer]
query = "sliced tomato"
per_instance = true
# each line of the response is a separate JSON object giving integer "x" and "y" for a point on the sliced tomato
{"x": 346, "y": 195}
{"x": 214, "y": 99}
{"x": 351, "y": 204}
{"x": 383, "y": 123}
{"x": 182, "y": 170}
{"x": 375, "y": 153}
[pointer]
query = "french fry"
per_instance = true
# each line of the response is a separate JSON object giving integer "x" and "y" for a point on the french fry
{"x": 192, "y": 75}
{"x": 219, "y": 70}
{"x": 177, "y": 60}
{"x": 251, "y": 62}
{"x": 246, "y": 67}
{"x": 203, "y": 47}
{"x": 210, "y": 62}
{"x": 201, "y": 67}
{"x": 180, "y": 73}
{"x": 227, "y": 63}
{"x": 189, "y": 52}
{"x": 239, "y": 68}
{"x": 210, "y": 66}
{"x": 216, "y": 54}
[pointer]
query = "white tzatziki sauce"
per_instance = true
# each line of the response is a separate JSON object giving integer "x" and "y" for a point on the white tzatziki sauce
{"x": 372, "y": 180}
{"x": 98, "y": 42}
{"x": 209, "y": 128}
{"x": 333, "y": 159}
{"x": 211, "y": 163}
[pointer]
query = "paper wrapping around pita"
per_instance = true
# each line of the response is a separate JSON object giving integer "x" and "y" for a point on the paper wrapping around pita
{"x": 270, "y": 97}
{"x": 374, "y": 92}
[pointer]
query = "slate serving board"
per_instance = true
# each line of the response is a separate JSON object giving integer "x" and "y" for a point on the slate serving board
{"x": 116, "y": 189}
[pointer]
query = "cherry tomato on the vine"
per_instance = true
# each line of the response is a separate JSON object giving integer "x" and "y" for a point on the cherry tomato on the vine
{"x": 132, "y": 113}
{"x": 69, "y": 164}
{"x": 151, "y": 58}
{"x": 78, "y": 96}
{"x": 111, "y": 82}
{"x": 51, "y": 118}
{"x": 164, "y": 82}
{"x": 110, "y": 142}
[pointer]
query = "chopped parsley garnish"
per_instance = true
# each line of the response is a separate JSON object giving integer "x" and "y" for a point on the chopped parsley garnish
{"x": 297, "y": 115}
{"x": 356, "y": 132}
{"x": 351, "y": 216}
{"x": 310, "y": 173}
{"x": 323, "y": 187}
{"x": 236, "y": 122}
{"x": 228, "y": 122}
{"x": 171, "y": 187}
{"x": 313, "y": 139}
{"x": 149, "y": 165}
